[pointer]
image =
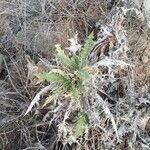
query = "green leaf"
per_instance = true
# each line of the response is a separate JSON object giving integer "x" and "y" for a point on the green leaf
{"x": 83, "y": 74}
{"x": 75, "y": 62}
{"x": 75, "y": 93}
{"x": 55, "y": 77}
{"x": 80, "y": 126}
{"x": 65, "y": 60}
{"x": 85, "y": 51}
{"x": 80, "y": 85}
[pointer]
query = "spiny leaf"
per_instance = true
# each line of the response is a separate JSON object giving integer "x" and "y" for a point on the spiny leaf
{"x": 54, "y": 96}
{"x": 85, "y": 51}
{"x": 37, "y": 97}
{"x": 75, "y": 62}
{"x": 55, "y": 77}
{"x": 65, "y": 60}
{"x": 75, "y": 93}
{"x": 83, "y": 74}
{"x": 80, "y": 85}
{"x": 81, "y": 125}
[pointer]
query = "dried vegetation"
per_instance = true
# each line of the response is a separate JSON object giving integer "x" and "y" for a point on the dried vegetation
{"x": 118, "y": 100}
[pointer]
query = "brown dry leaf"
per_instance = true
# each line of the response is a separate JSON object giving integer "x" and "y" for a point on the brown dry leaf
{"x": 34, "y": 69}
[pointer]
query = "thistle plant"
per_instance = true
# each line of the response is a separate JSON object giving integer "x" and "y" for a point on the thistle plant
{"x": 72, "y": 75}
{"x": 71, "y": 78}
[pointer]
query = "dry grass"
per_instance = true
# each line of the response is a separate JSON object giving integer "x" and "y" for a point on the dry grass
{"x": 32, "y": 27}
